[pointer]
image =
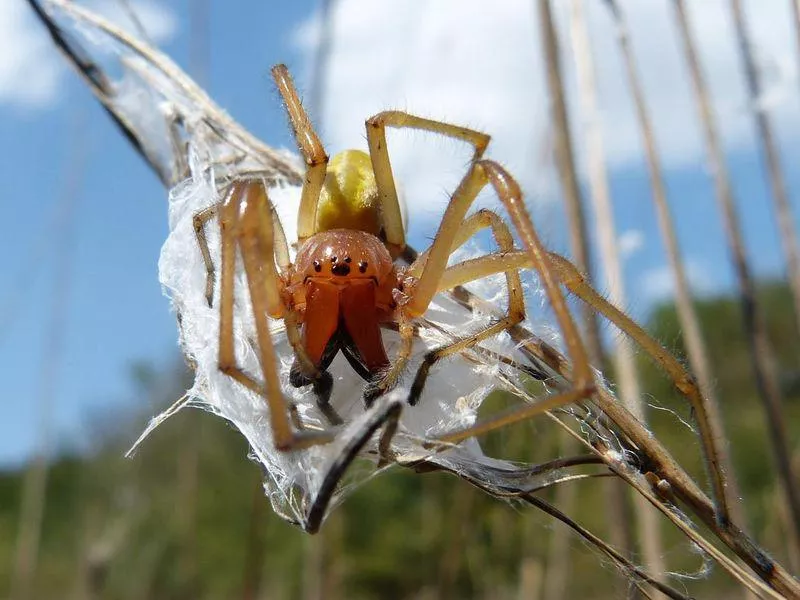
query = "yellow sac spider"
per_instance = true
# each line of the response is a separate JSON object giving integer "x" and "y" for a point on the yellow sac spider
{"x": 344, "y": 285}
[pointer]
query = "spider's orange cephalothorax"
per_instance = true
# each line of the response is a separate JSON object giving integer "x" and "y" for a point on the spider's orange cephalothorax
{"x": 342, "y": 256}
{"x": 342, "y": 288}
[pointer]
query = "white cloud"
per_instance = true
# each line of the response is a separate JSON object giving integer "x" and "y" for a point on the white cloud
{"x": 660, "y": 63}
{"x": 658, "y": 284}
{"x": 630, "y": 242}
{"x": 30, "y": 66}
{"x": 455, "y": 60}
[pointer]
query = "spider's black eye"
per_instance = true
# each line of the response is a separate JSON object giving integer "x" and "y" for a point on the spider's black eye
{"x": 348, "y": 260}
{"x": 317, "y": 266}
{"x": 334, "y": 259}
{"x": 362, "y": 266}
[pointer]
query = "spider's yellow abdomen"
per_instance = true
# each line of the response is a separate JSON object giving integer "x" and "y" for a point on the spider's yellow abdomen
{"x": 349, "y": 197}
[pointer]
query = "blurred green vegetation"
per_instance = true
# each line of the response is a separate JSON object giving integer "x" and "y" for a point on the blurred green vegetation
{"x": 185, "y": 518}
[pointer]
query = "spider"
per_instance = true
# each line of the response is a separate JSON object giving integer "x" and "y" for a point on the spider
{"x": 344, "y": 285}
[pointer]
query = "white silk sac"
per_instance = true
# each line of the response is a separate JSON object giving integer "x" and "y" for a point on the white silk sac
{"x": 298, "y": 482}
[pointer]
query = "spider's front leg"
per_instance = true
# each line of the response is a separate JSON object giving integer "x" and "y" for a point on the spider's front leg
{"x": 247, "y": 222}
{"x": 201, "y": 218}
{"x": 304, "y": 371}
{"x": 381, "y": 165}
{"x": 310, "y": 147}
{"x": 391, "y": 215}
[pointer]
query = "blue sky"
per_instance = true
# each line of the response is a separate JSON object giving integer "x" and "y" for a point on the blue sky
{"x": 420, "y": 59}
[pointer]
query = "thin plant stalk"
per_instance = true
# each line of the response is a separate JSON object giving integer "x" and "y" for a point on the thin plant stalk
{"x": 771, "y": 157}
{"x": 600, "y": 194}
{"x": 773, "y": 404}
{"x": 648, "y": 525}
{"x": 795, "y": 4}
{"x": 638, "y": 575}
{"x": 565, "y": 162}
{"x": 626, "y": 374}
{"x": 710, "y": 423}
{"x": 319, "y": 78}
{"x": 762, "y": 354}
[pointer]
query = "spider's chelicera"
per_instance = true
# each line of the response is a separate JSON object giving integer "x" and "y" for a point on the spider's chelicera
{"x": 342, "y": 284}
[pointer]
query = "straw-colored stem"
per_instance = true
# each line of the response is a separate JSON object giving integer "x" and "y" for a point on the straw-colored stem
{"x": 770, "y": 155}
{"x": 710, "y": 427}
{"x": 624, "y": 363}
{"x": 565, "y": 162}
{"x": 795, "y": 4}
{"x": 773, "y": 401}
{"x": 761, "y": 352}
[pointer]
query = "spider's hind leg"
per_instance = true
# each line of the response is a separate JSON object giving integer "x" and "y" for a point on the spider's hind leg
{"x": 482, "y": 219}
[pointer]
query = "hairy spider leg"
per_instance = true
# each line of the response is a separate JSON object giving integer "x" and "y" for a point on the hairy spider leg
{"x": 684, "y": 381}
{"x": 431, "y": 281}
{"x": 199, "y": 221}
{"x": 310, "y": 147}
{"x": 569, "y": 275}
{"x": 390, "y": 210}
{"x": 246, "y": 221}
{"x": 516, "y": 302}
{"x": 381, "y": 164}
{"x": 202, "y": 217}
